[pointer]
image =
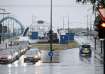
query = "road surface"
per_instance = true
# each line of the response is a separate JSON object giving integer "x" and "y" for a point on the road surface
{"x": 70, "y": 63}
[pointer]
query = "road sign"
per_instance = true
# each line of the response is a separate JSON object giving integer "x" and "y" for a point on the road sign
{"x": 50, "y": 53}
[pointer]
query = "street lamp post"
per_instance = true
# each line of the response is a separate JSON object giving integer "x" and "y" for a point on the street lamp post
{"x": 51, "y": 32}
{"x": 51, "y": 26}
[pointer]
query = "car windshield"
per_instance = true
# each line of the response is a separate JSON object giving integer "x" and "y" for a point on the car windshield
{"x": 4, "y": 53}
{"x": 86, "y": 46}
{"x": 32, "y": 51}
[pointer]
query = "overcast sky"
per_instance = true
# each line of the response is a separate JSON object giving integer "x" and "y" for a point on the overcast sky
{"x": 23, "y": 10}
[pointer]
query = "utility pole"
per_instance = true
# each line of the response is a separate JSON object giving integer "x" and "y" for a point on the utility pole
{"x": 68, "y": 25}
{"x": 95, "y": 37}
{"x": 68, "y": 30}
{"x": 51, "y": 27}
{"x": 90, "y": 25}
{"x": 51, "y": 34}
{"x": 63, "y": 23}
{"x": 87, "y": 27}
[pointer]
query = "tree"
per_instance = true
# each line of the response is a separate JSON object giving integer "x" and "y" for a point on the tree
{"x": 93, "y": 2}
{"x": 85, "y": 1}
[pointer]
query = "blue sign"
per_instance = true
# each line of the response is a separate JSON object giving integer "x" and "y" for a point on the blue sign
{"x": 50, "y": 53}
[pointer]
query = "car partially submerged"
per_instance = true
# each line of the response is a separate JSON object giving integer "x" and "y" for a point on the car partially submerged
{"x": 33, "y": 55}
{"x": 85, "y": 50}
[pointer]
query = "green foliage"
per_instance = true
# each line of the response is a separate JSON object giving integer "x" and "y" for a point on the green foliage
{"x": 87, "y": 1}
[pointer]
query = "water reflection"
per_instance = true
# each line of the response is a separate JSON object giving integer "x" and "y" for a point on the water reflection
{"x": 85, "y": 59}
{"x": 9, "y": 65}
{"x": 16, "y": 63}
{"x": 38, "y": 70}
{"x": 51, "y": 68}
{"x": 9, "y": 70}
{"x": 39, "y": 63}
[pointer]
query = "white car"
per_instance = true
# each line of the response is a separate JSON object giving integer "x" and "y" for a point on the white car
{"x": 5, "y": 57}
{"x": 32, "y": 55}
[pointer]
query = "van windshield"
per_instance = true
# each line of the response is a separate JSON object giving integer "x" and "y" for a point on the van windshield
{"x": 86, "y": 46}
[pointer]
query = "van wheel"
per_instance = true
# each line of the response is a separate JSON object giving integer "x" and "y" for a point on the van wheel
{"x": 33, "y": 62}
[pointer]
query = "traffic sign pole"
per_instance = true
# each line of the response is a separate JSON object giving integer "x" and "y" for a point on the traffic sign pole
{"x": 50, "y": 53}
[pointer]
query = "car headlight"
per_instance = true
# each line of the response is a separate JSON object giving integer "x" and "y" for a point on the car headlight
{"x": 9, "y": 57}
{"x": 16, "y": 53}
{"x": 22, "y": 50}
{"x": 36, "y": 56}
{"x": 24, "y": 56}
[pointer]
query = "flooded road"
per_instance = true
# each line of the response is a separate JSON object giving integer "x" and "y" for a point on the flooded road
{"x": 69, "y": 63}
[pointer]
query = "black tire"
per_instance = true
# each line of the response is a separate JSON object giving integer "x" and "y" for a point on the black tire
{"x": 33, "y": 62}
